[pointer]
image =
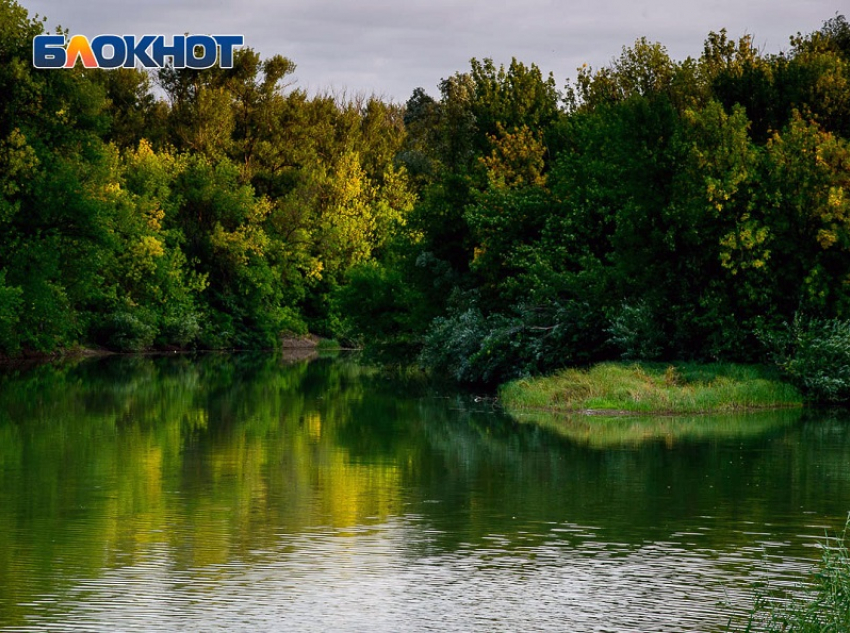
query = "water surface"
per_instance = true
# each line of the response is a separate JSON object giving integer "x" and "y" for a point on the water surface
{"x": 241, "y": 493}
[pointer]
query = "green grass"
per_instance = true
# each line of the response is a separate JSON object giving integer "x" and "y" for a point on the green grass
{"x": 651, "y": 388}
{"x": 827, "y": 612}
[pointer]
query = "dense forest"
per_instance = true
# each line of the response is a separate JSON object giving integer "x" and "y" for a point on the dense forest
{"x": 649, "y": 209}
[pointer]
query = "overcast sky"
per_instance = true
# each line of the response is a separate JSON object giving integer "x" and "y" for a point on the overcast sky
{"x": 390, "y": 47}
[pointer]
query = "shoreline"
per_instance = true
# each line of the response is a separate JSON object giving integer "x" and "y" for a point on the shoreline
{"x": 290, "y": 346}
{"x": 622, "y": 413}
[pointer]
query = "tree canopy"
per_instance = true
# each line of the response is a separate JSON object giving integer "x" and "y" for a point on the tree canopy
{"x": 652, "y": 208}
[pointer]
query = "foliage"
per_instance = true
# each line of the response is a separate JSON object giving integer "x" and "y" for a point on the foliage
{"x": 220, "y": 216}
{"x": 815, "y": 356}
{"x": 127, "y": 332}
{"x": 657, "y": 208}
{"x": 684, "y": 201}
{"x": 10, "y": 306}
{"x": 376, "y": 303}
{"x": 479, "y": 349}
{"x": 634, "y": 331}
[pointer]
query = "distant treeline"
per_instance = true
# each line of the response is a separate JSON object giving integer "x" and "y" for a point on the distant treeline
{"x": 649, "y": 209}
{"x": 221, "y": 216}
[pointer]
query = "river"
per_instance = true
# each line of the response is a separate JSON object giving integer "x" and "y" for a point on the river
{"x": 244, "y": 493}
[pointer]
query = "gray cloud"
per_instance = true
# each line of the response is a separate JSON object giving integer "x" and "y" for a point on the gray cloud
{"x": 390, "y": 47}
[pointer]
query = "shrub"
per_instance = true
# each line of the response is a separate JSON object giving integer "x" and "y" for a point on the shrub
{"x": 636, "y": 333}
{"x": 179, "y": 329}
{"x": 373, "y": 304}
{"x": 451, "y": 342}
{"x": 10, "y": 306}
{"x": 814, "y": 355}
{"x": 217, "y": 331}
{"x": 126, "y": 331}
{"x": 473, "y": 348}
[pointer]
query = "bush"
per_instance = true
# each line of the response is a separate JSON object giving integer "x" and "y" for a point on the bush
{"x": 473, "y": 348}
{"x": 636, "y": 333}
{"x": 451, "y": 342}
{"x": 814, "y": 355}
{"x": 217, "y": 331}
{"x": 373, "y": 304}
{"x": 179, "y": 329}
{"x": 10, "y": 306}
{"x": 126, "y": 331}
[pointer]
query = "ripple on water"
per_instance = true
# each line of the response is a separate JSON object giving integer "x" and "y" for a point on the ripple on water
{"x": 365, "y": 578}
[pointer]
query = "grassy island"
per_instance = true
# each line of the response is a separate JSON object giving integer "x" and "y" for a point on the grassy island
{"x": 652, "y": 388}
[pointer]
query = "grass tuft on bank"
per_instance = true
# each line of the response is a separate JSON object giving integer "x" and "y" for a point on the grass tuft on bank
{"x": 678, "y": 388}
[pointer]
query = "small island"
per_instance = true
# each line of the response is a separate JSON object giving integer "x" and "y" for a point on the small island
{"x": 612, "y": 389}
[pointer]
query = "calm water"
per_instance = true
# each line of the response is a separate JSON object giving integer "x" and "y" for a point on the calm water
{"x": 237, "y": 493}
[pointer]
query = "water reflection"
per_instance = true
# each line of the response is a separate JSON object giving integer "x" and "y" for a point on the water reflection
{"x": 631, "y": 430}
{"x": 242, "y": 493}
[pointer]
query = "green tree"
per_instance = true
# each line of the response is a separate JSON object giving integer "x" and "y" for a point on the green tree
{"x": 54, "y": 224}
{"x": 798, "y": 229}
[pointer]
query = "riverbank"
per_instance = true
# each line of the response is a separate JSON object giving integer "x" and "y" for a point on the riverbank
{"x": 30, "y": 358}
{"x": 652, "y": 388}
{"x": 291, "y": 346}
